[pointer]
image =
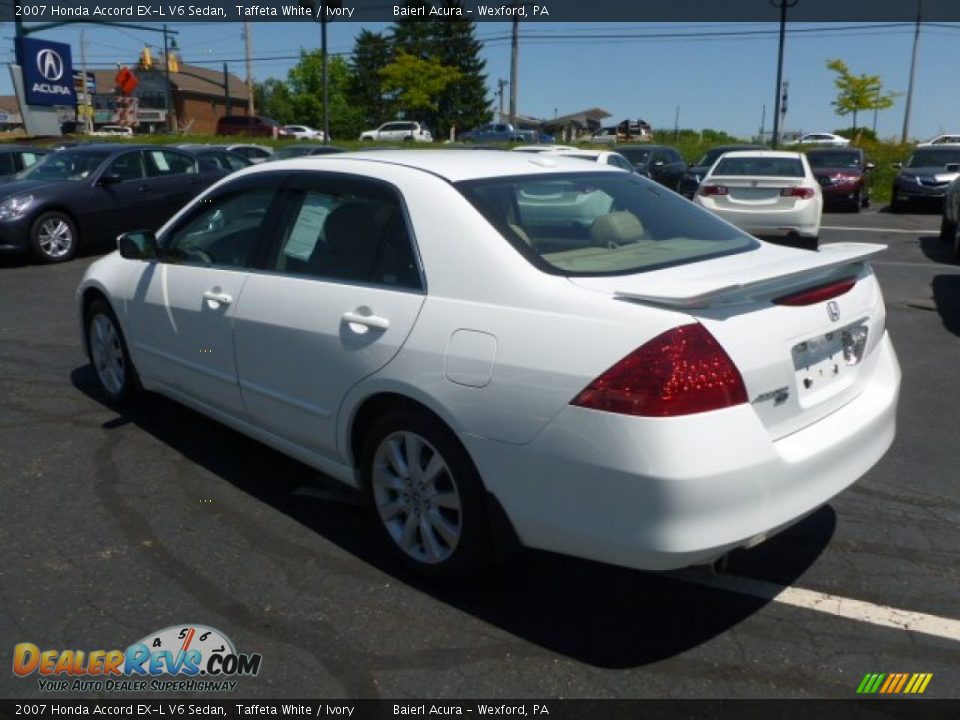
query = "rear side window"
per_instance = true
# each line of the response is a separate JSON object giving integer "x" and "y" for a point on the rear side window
{"x": 601, "y": 224}
{"x": 161, "y": 163}
{"x": 760, "y": 166}
{"x": 351, "y": 231}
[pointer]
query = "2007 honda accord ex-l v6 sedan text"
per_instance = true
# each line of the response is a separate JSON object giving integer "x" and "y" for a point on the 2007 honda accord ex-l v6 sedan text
{"x": 496, "y": 344}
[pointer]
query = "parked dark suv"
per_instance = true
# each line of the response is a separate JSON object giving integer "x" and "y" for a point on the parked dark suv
{"x": 658, "y": 162}
{"x": 844, "y": 176}
{"x": 255, "y": 125}
{"x": 925, "y": 176}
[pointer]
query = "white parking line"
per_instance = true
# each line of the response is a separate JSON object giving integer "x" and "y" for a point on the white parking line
{"x": 867, "y": 612}
{"x": 880, "y": 230}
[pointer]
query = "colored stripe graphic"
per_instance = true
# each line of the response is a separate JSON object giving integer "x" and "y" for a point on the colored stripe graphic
{"x": 894, "y": 683}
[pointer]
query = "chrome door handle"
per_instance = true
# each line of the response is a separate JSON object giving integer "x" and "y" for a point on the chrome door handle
{"x": 217, "y": 297}
{"x": 373, "y": 321}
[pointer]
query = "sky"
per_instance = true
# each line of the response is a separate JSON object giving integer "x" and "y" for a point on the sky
{"x": 651, "y": 71}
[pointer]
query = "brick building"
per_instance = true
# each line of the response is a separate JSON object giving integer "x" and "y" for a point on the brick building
{"x": 197, "y": 93}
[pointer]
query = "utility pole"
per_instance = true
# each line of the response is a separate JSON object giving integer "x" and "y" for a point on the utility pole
{"x": 500, "y": 83}
{"x": 876, "y": 108}
{"x": 87, "y": 109}
{"x": 249, "y": 48}
{"x": 676, "y": 124}
{"x": 763, "y": 121}
{"x": 171, "y": 113}
{"x": 913, "y": 72}
{"x": 783, "y": 106}
{"x": 226, "y": 90}
{"x": 514, "y": 52}
{"x": 783, "y": 5}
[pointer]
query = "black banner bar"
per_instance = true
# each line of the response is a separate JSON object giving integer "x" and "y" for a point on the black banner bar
{"x": 914, "y": 708}
{"x": 178, "y": 11}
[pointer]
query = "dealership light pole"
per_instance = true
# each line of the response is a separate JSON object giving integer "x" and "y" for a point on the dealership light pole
{"x": 321, "y": 9}
{"x": 913, "y": 70}
{"x": 783, "y": 5}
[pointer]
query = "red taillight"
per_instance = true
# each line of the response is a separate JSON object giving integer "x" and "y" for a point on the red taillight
{"x": 812, "y": 296}
{"x": 680, "y": 372}
{"x": 713, "y": 190}
{"x": 800, "y": 192}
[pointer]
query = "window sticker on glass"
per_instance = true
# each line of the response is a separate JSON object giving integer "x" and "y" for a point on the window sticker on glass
{"x": 160, "y": 161}
{"x": 307, "y": 231}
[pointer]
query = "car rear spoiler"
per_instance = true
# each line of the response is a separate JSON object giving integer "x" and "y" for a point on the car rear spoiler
{"x": 706, "y": 290}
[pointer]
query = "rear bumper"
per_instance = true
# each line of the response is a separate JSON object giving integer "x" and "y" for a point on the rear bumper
{"x": 659, "y": 494}
{"x": 803, "y": 221}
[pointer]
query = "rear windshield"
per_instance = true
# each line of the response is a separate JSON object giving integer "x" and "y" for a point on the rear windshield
{"x": 760, "y": 167}
{"x": 580, "y": 224}
{"x": 838, "y": 158}
{"x": 934, "y": 158}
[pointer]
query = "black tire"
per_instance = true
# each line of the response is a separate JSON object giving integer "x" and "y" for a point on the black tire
{"x": 948, "y": 230}
{"x": 895, "y": 204}
{"x": 857, "y": 202}
{"x": 114, "y": 356}
{"x": 388, "y": 492}
{"x": 53, "y": 237}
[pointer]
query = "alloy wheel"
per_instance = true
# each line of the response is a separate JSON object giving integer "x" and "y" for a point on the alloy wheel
{"x": 416, "y": 497}
{"x": 55, "y": 237}
{"x": 107, "y": 353}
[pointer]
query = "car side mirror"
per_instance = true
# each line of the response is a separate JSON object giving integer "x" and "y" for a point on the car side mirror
{"x": 658, "y": 163}
{"x": 109, "y": 178}
{"x": 138, "y": 245}
{"x": 953, "y": 167}
{"x": 898, "y": 165}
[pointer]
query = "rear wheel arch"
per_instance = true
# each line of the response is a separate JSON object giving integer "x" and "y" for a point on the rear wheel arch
{"x": 378, "y": 405}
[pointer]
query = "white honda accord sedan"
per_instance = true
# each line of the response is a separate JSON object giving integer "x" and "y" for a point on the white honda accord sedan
{"x": 501, "y": 345}
{"x": 765, "y": 192}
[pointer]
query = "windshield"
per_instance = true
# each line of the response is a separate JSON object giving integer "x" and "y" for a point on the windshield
{"x": 933, "y": 158}
{"x": 759, "y": 166}
{"x": 635, "y": 155}
{"x": 578, "y": 224}
{"x": 65, "y": 165}
{"x": 839, "y": 159}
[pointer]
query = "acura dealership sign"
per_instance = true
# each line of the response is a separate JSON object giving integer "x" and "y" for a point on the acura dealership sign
{"x": 47, "y": 72}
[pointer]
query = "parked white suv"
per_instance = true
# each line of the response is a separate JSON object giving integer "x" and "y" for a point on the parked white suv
{"x": 399, "y": 130}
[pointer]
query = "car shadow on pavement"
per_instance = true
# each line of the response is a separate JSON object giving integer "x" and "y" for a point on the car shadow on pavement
{"x": 946, "y": 296}
{"x": 598, "y": 614}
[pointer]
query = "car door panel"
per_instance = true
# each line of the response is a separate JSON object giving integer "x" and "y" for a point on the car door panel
{"x": 298, "y": 353}
{"x": 328, "y": 315}
{"x": 183, "y": 318}
{"x": 184, "y": 307}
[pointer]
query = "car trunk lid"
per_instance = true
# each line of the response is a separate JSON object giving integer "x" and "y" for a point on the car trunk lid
{"x": 801, "y": 327}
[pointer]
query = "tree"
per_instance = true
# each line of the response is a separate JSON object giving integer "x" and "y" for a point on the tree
{"x": 464, "y": 103}
{"x": 416, "y": 83}
{"x": 449, "y": 40}
{"x": 371, "y": 53}
{"x": 272, "y": 96}
{"x": 856, "y": 93}
{"x": 305, "y": 81}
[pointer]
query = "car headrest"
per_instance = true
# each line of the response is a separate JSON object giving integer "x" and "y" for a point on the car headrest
{"x": 616, "y": 228}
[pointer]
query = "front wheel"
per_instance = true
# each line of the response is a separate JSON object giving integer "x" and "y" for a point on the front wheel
{"x": 109, "y": 356}
{"x": 426, "y": 496}
{"x": 53, "y": 237}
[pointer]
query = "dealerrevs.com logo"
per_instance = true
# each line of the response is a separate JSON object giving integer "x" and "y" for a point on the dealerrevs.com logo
{"x": 180, "y": 658}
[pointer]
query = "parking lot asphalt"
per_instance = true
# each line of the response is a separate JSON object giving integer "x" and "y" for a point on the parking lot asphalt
{"x": 117, "y": 525}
